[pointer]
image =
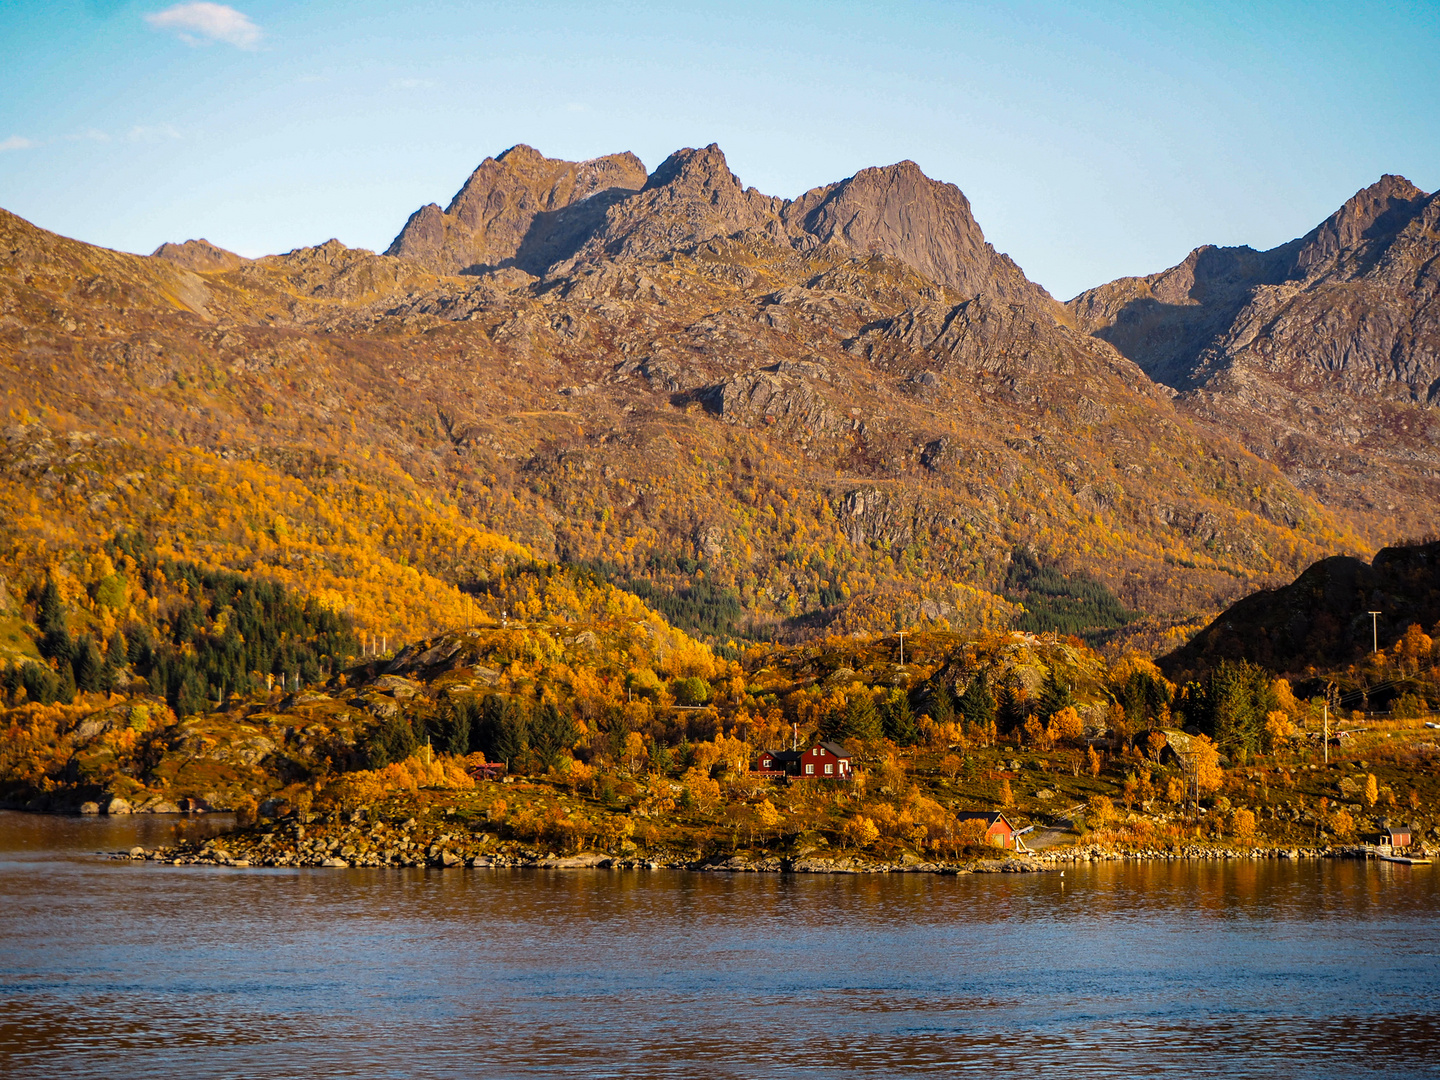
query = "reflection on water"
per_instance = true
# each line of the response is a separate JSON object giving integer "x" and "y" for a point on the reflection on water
{"x": 111, "y": 969}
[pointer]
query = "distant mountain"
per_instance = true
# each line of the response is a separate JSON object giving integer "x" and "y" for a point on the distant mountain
{"x": 1322, "y": 620}
{"x": 546, "y": 217}
{"x": 1322, "y": 355}
{"x": 833, "y": 413}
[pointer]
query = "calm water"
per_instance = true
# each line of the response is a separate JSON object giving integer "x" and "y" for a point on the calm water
{"x": 117, "y": 970}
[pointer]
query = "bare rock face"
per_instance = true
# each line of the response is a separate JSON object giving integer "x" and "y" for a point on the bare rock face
{"x": 521, "y": 209}
{"x": 200, "y": 256}
{"x": 899, "y": 211}
{"x": 556, "y": 218}
{"x": 692, "y": 197}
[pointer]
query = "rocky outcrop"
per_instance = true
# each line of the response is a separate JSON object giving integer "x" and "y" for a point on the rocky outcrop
{"x": 900, "y": 212}
{"x": 520, "y": 209}
{"x": 539, "y": 214}
{"x": 200, "y": 256}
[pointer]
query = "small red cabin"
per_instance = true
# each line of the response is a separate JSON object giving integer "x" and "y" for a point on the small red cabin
{"x": 823, "y": 761}
{"x": 998, "y": 830}
{"x": 1395, "y": 836}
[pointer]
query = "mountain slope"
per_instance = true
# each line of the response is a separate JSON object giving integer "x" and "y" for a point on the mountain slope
{"x": 840, "y": 412}
{"x": 1322, "y": 354}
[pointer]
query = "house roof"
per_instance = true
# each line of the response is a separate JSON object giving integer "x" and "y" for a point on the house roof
{"x": 786, "y": 755}
{"x": 990, "y": 817}
{"x": 835, "y": 748}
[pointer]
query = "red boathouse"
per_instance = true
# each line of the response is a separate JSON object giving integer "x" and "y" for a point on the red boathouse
{"x": 998, "y": 830}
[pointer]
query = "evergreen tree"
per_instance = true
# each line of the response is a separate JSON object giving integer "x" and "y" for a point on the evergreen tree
{"x": 503, "y": 730}
{"x": 390, "y": 741}
{"x": 977, "y": 704}
{"x": 89, "y": 665}
{"x": 1237, "y": 698}
{"x": 861, "y": 719}
{"x": 65, "y": 692}
{"x": 938, "y": 702}
{"x": 455, "y": 728}
{"x": 1054, "y": 695}
{"x": 1142, "y": 697}
{"x": 897, "y": 719}
{"x": 50, "y": 615}
{"x": 552, "y": 733}
{"x": 116, "y": 658}
{"x": 39, "y": 682}
{"x": 188, "y": 697}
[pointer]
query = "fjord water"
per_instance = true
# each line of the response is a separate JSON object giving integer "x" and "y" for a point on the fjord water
{"x": 109, "y": 969}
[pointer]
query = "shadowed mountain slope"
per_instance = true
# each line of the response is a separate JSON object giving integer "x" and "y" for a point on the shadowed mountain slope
{"x": 1322, "y": 620}
{"x": 1322, "y": 354}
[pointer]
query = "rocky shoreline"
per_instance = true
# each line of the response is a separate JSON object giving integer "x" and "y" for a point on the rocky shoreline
{"x": 411, "y": 845}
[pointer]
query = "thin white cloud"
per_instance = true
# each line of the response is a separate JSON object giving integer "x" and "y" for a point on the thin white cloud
{"x": 410, "y": 84}
{"x": 18, "y": 142}
{"x": 152, "y": 133}
{"x": 88, "y": 135}
{"x": 201, "y": 23}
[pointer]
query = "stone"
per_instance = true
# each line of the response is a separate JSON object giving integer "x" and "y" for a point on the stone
{"x": 89, "y": 808}
{"x": 137, "y": 852}
{"x": 449, "y": 859}
{"x": 334, "y": 862}
{"x": 119, "y": 806}
{"x": 162, "y": 807}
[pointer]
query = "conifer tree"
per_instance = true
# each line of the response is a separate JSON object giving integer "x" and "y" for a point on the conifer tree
{"x": 977, "y": 704}
{"x": 65, "y": 692}
{"x": 897, "y": 719}
{"x": 50, "y": 615}
{"x": 552, "y": 733}
{"x": 89, "y": 665}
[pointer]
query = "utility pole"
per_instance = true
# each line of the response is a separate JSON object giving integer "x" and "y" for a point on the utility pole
{"x": 902, "y": 648}
{"x": 1327, "y": 732}
{"x": 1374, "y": 631}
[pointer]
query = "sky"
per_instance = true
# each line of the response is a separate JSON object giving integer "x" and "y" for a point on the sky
{"x": 1093, "y": 139}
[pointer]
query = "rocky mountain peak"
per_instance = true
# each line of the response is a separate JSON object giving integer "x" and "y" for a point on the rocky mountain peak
{"x": 899, "y": 211}
{"x": 508, "y": 212}
{"x": 705, "y": 168}
{"x": 1367, "y": 221}
{"x": 198, "y": 255}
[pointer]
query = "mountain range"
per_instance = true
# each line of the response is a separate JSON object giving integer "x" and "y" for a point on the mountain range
{"x": 838, "y": 412}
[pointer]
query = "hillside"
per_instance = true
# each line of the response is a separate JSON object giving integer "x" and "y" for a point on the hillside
{"x": 1321, "y": 355}
{"x": 836, "y": 413}
{"x": 1320, "y": 624}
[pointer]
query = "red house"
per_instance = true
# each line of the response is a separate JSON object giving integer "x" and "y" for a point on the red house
{"x": 998, "y": 830}
{"x": 823, "y": 761}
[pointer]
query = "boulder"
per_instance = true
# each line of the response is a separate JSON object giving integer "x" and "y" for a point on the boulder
{"x": 119, "y": 806}
{"x": 89, "y": 808}
{"x": 339, "y": 863}
{"x": 162, "y": 807}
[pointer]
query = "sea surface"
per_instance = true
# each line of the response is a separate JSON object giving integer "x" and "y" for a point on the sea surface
{"x": 1274, "y": 969}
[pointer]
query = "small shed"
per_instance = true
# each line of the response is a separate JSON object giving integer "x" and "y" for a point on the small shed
{"x": 998, "y": 829}
{"x": 1395, "y": 836}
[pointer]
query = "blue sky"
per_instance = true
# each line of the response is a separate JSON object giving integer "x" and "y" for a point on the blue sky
{"x": 1093, "y": 139}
